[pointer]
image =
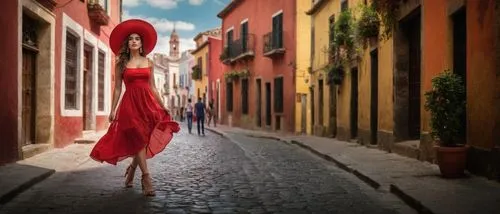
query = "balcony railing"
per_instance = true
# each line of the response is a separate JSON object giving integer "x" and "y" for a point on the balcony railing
{"x": 97, "y": 11}
{"x": 239, "y": 49}
{"x": 273, "y": 44}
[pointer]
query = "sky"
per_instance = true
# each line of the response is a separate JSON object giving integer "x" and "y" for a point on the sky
{"x": 189, "y": 16}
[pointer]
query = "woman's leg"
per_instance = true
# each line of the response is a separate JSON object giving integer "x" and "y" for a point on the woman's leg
{"x": 147, "y": 186}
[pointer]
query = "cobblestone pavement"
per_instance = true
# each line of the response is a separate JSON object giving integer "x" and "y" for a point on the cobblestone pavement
{"x": 211, "y": 174}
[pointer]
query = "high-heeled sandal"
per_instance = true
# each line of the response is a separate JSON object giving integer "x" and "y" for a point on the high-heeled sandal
{"x": 147, "y": 186}
{"x": 130, "y": 178}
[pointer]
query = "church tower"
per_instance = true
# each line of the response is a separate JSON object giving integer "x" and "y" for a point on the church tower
{"x": 174, "y": 44}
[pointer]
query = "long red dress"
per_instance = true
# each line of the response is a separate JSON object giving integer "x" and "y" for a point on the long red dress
{"x": 140, "y": 122}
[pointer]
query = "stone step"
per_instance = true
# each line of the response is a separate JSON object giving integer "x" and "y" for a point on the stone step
{"x": 407, "y": 149}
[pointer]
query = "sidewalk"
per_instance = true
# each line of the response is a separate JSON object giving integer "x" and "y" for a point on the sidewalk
{"x": 417, "y": 183}
{"x": 19, "y": 176}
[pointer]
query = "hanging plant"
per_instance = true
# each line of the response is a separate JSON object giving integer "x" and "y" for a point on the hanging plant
{"x": 368, "y": 25}
{"x": 344, "y": 35}
{"x": 234, "y": 74}
{"x": 388, "y": 11}
{"x": 196, "y": 74}
{"x": 335, "y": 73}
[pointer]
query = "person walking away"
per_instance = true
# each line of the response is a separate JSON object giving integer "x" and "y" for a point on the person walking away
{"x": 189, "y": 115}
{"x": 199, "y": 108}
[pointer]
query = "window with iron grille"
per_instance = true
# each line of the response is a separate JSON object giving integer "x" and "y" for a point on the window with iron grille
{"x": 70, "y": 82}
{"x": 244, "y": 96}
{"x": 229, "y": 42}
{"x": 100, "y": 82}
{"x": 332, "y": 37}
{"x": 278, "y": 94}
{"x": 277, "y": 38}
{"x": 344, "y": 6}
{"x": 229, "y": 96}
{"x": 207, "y": 64}
{"x": 244, "y": 36}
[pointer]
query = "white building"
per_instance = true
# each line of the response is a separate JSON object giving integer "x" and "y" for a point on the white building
{"x": 185, "y": 82}
{"x": 167, "y": 75}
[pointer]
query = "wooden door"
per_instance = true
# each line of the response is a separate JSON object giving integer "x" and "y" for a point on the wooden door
{"x": 303, "y": 117}
{"x": 268, "y": 104}
{"x": 414, "y": 78}
{"x": 354, "y": 103}
{"x": 374, "y": 97}
{"x": 28, "y": 97}
{"x": 259, "y": 103}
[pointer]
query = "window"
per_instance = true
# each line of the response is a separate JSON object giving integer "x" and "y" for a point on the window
{"x": 277, "y": 38}
{"x": 100, "y": 82}
{"x": 229, "y": 41}
{"x": 332, "y": 36}
{"x": 244, "y": 96}
{"x": 71, "y": 85}
{"x": 200, "y": 63}
{"x": 344, "y": 6}
{"x": 229, "y": 96}
{"x": 207, "y": 64}
{"x": 278, "y": 94}
{"x": 244, "y": 36}
{"x": 175, "y": 80}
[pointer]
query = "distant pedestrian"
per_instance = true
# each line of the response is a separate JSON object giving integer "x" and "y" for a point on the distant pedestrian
{"x": 189, "y": 115}
{"x": 199, "y": 108}
{"x": 211, "y": 113}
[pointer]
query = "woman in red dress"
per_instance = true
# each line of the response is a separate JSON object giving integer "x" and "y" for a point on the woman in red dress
{"x": 141, "y": 126}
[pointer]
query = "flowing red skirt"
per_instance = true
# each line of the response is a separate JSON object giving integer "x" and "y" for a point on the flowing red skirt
{"x": 140, "y": 123}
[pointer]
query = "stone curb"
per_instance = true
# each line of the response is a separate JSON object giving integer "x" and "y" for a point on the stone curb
{"x": 26, "y": 185}
{"x": 394, "y": 189}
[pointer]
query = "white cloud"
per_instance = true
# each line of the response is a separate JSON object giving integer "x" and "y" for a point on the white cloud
{"x": 219, "y": 2}
{"x": 163, "y": 4}
{"x": 130, "y": 3}
{"x": 196, "y": 2}
{"x": 161, "y": 25}
{"x": 163, "y": 45}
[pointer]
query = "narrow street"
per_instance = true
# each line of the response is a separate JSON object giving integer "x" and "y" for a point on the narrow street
{"x": 211, "y": 174}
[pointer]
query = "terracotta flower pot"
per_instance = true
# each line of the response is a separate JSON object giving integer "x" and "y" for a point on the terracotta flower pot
{"x": 452, "y": 160}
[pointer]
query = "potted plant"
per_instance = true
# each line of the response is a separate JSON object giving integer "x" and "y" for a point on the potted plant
{"x": 369, "y": 24}
{"x": 446, "y": 103}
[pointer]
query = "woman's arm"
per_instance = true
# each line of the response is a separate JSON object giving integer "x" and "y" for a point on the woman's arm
{"x": 117, "y": 92}
{"x": 153, "y": 86}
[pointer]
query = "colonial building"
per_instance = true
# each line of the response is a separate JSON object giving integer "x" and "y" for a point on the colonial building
{"x": 201, "y": 56}
{"x": 186, "y": 62}
{"x": 58, "y": 69}
{"x": 170, "y": 82}
{"x": 376, "y": 96}
{"x": 259, "y": 51}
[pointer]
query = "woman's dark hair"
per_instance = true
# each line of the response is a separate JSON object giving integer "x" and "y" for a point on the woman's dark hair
{"x": 124, "y": 54}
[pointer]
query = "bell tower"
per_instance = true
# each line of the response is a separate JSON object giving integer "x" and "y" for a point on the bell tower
{"x": 174, "y": 44}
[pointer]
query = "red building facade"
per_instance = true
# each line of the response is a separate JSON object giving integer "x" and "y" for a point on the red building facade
{"x": 59, "y": 73}
{"x": 215, "y": 75}
{"x": 259, "y": 53}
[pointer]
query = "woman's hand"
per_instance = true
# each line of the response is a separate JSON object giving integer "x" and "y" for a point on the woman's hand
{"x": 111, "y": 116}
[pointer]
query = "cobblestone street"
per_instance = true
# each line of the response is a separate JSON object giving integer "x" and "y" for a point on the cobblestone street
{"x": 212, "y": 174}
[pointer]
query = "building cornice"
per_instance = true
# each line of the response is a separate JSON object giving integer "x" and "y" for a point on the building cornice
{"x": 229, "y": 8}
{"x": 316, "y": 7}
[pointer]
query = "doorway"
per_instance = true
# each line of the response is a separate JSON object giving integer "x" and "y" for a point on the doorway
{"x": 374, "y": 97}
{"x": 407, "y": 78}
{"x": 303, "y": 117}
{"x": 312, "y": 110}
{"x": 460, "y": 57}
{"x": 321, "y": 103}
{"x": 354, "y": 103}
{"x": 29, "y": 97}
{"x": 268, "y": 104}
{"x": 333, "y": 109}
{"x": 259, "y": 102}
{"x": 87, "y": 88}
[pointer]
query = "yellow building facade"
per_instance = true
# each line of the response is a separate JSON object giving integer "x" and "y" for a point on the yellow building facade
{"x": 200, "y": 55}
{"x": 302, "y": 63}
{"x": 344, "y": 110}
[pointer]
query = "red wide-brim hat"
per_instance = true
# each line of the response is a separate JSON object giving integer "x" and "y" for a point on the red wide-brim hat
{"x": 121, "y": 32}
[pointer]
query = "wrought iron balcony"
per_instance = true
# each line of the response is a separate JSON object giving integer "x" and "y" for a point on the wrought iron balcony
{"x": 273, "y": 44}
{"x": 242, "y": 48}
{"x": 97, "y": 11}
